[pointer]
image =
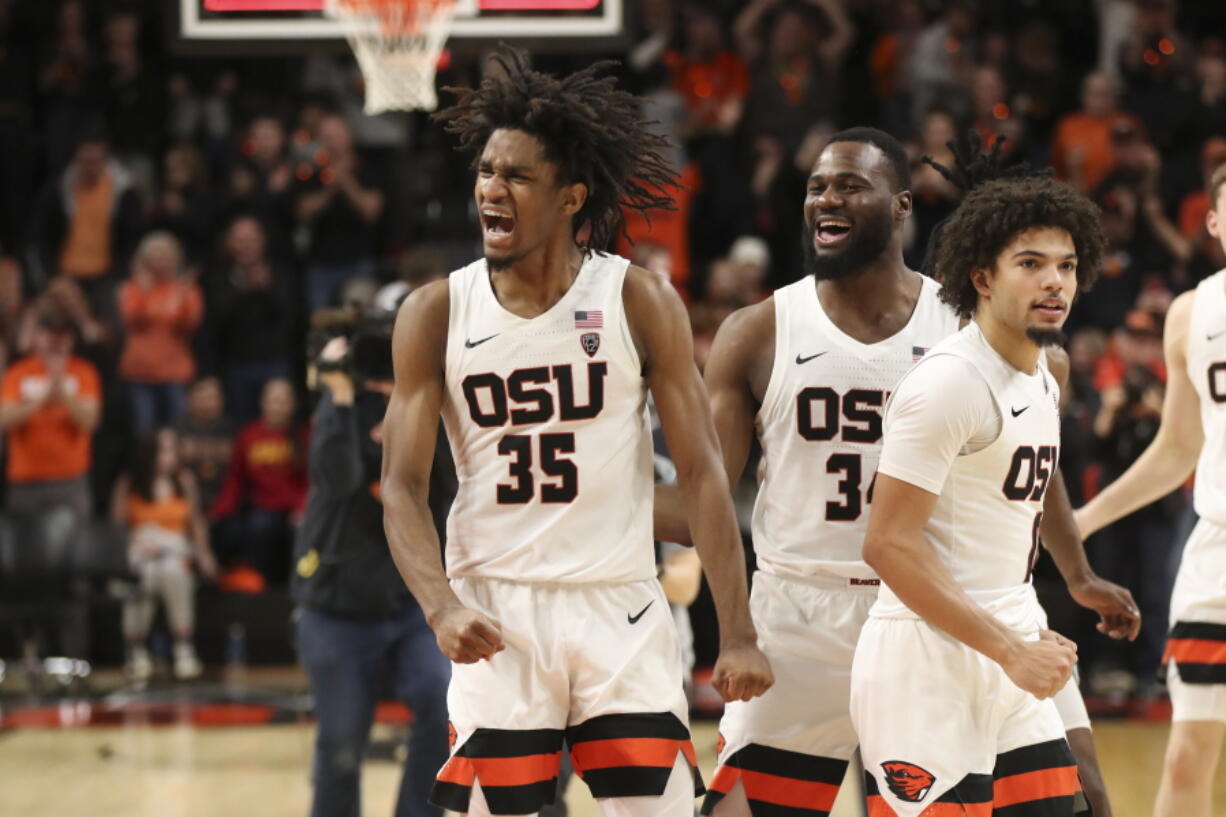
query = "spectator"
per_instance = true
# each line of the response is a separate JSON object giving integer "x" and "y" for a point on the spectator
{"x": 1207, "y": 254}
{"x": 49, "y": 407}
{"x": 260, "y": 183}
{"x": 160, "y": 506}
{"x": 206, "y": 438}
{"x": 1136, "y": 551}
{"x": 184, "y": 206}
{"x": 901, "y": 22}
{"x": 64, "y": 86}
{"x": 131, "y": 98}
{"x": 340, "y": 203}
{"x": 710, "y": 77}
{"x": 934, "y": 197}
{"x": 87, "y": 220}
{"x": 161, "y": 308}
{"x": 943, "y": 58}
{"x": 1083, "y": 152}
{"x": 251, "y": 318}
{"x": 264, "y": 488}
{"x": 795, "y": 71}
{"x": 750, "y": 260}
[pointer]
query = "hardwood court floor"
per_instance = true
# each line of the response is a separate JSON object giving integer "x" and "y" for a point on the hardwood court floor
{"x": 261, "y": 771}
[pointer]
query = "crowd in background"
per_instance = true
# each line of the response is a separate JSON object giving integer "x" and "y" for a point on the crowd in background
{"x": 172, "y": 227}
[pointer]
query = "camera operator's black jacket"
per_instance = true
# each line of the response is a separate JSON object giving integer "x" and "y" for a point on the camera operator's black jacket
{"x": 342, "y": 565}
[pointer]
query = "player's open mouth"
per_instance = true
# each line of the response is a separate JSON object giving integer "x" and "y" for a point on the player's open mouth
{"x": 497, "y": 226}
{"x": 1051, "y": 308}
{"x": 831, "y": 231}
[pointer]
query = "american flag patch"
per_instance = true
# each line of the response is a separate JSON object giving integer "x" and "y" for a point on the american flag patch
{"x": 589, "y": 319}
{"x": 917, "y": 352}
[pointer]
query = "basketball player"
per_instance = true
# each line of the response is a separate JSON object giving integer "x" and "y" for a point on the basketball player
{"x": 809, "y": 369}
{"x": 953, "y": 668}
{"x": 539, "y": 358}
{"x": 1193, "y": 426}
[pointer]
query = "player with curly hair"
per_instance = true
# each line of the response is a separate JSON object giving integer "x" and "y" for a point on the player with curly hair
{"x": 539, "y": 358}
{"x": 954, "y": 668}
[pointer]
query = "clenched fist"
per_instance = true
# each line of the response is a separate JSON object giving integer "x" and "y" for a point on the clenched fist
{"x": 742, "y": 673}
{"x": 1042, "y": 667}
{"x": 466, "y": 636}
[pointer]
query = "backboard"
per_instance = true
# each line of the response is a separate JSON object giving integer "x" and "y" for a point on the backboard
{"x": 550, "y": 24}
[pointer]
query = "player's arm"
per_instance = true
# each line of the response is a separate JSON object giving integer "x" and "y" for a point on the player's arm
{"x": 739, "y": 342}
{"x": 1170, "y": 458}
{"x": 924, "y": 433}
{"x": 662, "y": 332}
{"x": 410, "y": 428}
{"x": 1118, "y": 612}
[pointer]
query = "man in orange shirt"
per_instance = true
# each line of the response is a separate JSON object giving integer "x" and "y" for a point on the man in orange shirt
{"x": 49, "y": 405}
{"x": 1082, "y": 151}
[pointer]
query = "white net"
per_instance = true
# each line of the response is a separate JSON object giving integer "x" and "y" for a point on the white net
{"x": 397, "y": 44}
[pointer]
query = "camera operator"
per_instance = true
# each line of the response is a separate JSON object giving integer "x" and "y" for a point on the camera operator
{"x": 1137, "y": 550}
{"x": 357, "y": 624}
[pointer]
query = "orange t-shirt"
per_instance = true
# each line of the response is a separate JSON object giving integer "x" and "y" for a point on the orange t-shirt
{"x": 1092, "y": 136}
{"x": 87, "y": 247}
{"x": 171, "y": 513}
{"x": 160, "y": 323}
{"x": 49, "y": 445}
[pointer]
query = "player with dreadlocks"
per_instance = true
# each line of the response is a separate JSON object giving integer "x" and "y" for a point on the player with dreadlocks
{"x": 539, "y": 357}
{"x": 955, "y": 665}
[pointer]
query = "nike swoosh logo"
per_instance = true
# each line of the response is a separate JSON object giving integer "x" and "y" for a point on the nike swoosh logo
{"x": 1018, "y": 412}
{"x": 472, "y": 344}
{"x": 635, "y": 619}
{"x": 800, "y": 359}
{"x": 1214, "y": 337}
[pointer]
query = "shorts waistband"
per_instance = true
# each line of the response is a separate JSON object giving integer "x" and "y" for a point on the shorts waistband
{"x": 828, "y": 581}
{"x": 551, "y": 585}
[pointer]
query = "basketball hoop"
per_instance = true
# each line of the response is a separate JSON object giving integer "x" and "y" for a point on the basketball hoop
{"x": 397, "y": 44}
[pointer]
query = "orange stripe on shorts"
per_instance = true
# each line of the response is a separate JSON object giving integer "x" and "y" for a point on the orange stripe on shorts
{"x": 1021, "y": 788}
{"x": 788, "y": 791}
{"x": 501, "y": 771}
{"x": 1195, "y": 651}
{"x": 614, "y": 752}
{"x": 878, "y": 807}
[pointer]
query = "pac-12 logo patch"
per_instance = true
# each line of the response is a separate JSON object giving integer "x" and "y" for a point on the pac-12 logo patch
{"x": 908, "y": 781}
{"x": 590, "y": 341}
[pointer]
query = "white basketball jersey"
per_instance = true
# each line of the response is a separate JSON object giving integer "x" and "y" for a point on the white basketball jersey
{"x": 985, "y": 526}
{"x": 547, "y": 419}
{"x": 1207, "y": 370}
{"x": 820, "y": 430}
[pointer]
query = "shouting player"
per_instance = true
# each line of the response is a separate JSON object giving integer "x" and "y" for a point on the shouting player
{"x": 539, "y": 358}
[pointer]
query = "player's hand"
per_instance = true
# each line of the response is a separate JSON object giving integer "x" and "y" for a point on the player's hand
{"x": 466, "y": 636}
{"x": 1042, "y": 667}
{"x": 1114, "y": 605}
{"x": 742, "y": 673}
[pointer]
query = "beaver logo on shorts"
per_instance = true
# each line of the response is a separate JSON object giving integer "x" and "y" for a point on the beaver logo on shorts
{"x": 720, "y": 744}
{"x": 451, "y": 736}
{"x": 908, "y": 781}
